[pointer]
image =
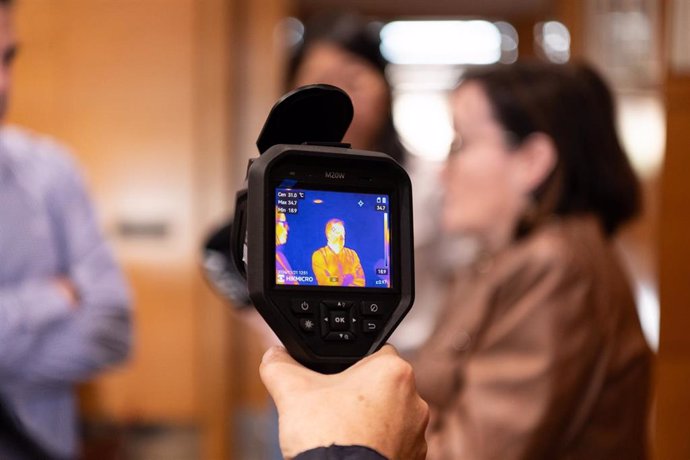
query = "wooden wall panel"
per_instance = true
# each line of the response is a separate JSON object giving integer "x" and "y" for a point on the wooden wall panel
{"x": 116, "y": 81}
{"x": 259, "y": 80}
{"x": 673, "y": 370}
{"x": 214, "y": 82}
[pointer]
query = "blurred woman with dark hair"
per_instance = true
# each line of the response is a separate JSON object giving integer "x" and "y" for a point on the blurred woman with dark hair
{"x": 539, "y": 352}
{"x": 343, "y": 49}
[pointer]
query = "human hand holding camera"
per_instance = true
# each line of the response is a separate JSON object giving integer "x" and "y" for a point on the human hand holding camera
{"x": 374, "y": 403}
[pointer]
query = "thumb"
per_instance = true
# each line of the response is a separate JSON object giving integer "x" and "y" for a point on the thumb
{"x": 279, "y": 372}
{"x": 276, "y": 355}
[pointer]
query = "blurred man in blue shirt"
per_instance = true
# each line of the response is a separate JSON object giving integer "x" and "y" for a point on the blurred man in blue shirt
{"x": 64, "y": 305}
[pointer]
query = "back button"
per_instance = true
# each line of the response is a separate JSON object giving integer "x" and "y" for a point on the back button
{"x": 370, "y": 326}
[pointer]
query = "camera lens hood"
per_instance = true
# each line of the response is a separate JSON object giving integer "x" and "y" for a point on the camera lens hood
{"x": 310, "y": 114}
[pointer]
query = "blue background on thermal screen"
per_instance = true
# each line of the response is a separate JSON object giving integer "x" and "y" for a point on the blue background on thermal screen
{"x": 364, "y": 231}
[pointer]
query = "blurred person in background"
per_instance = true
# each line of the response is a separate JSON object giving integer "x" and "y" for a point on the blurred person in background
{"x": 538, "y": 353}
{"x": 64, "y": 305}
{"x": 343, "y": 50}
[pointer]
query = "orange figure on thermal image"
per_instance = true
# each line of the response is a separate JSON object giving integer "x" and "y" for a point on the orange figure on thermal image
{"x": 334, "y": 264}
{"x": 284, "y": 274}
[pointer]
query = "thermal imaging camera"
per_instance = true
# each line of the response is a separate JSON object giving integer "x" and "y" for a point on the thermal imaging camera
{"x": 323, "y": 233}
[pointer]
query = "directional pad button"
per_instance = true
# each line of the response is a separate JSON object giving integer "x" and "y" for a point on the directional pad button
{"x": 345, "y": 336}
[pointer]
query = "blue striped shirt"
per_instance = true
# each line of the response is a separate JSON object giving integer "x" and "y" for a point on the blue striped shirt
{"x": 47, "y": 230}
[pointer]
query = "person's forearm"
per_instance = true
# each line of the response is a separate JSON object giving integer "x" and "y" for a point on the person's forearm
{"x": 75, "y": 350}
{"x": 73, "y": 347}
{"x": 25, "y": 311}
{"x": 30, "y": 306}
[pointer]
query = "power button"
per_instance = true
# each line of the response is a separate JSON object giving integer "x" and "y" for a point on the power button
{"x": 303, "y": 307}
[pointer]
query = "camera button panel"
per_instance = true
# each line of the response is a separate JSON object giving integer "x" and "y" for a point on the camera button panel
{"x": 327, "y": 324}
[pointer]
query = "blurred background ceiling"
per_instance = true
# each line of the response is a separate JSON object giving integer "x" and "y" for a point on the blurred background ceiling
{"x": 489, "y": 8}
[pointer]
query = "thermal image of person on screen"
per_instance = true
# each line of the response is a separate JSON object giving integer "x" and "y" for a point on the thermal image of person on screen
{"x": 283, "y": 269}
{"x": 334, "y": 264}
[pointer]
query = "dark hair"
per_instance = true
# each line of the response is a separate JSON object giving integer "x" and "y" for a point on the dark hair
{"x": 6, "y": 2}
{"x": 573, "y": 106}
{"x": 354, "y": 34}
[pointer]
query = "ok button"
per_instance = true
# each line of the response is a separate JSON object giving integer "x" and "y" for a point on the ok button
{"x": 338, "y": 321}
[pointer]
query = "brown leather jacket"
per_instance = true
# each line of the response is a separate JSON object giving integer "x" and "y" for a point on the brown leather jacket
{"x": 539, "y": 355}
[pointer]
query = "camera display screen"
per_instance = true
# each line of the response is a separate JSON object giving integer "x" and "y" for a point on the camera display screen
{"x": 332, "y": 238}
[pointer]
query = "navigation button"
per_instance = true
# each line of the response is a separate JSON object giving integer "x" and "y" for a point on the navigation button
{"x": 303, "y": 307}
{"x": 340, "y": 337}
{"x": 339, "y": 304}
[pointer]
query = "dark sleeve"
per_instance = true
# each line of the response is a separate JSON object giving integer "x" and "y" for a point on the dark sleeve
{"x": 341, "y": 453}
{"x": 219, "y": 269}
{"x": 219, "y": 239}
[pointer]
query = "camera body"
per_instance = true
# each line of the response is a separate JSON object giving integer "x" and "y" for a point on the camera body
{"x": 326, "y": 234}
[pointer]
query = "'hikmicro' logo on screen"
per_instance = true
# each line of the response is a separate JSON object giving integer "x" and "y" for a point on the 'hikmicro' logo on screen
{"x": 335, "y": 175}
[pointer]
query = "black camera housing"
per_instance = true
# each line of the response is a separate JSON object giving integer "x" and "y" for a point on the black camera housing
{"x": 326, "y": 328}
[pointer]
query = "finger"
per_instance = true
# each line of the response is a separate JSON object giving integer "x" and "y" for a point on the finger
{"x": 277, "y": 354}
{"x": 387, "y": 350}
